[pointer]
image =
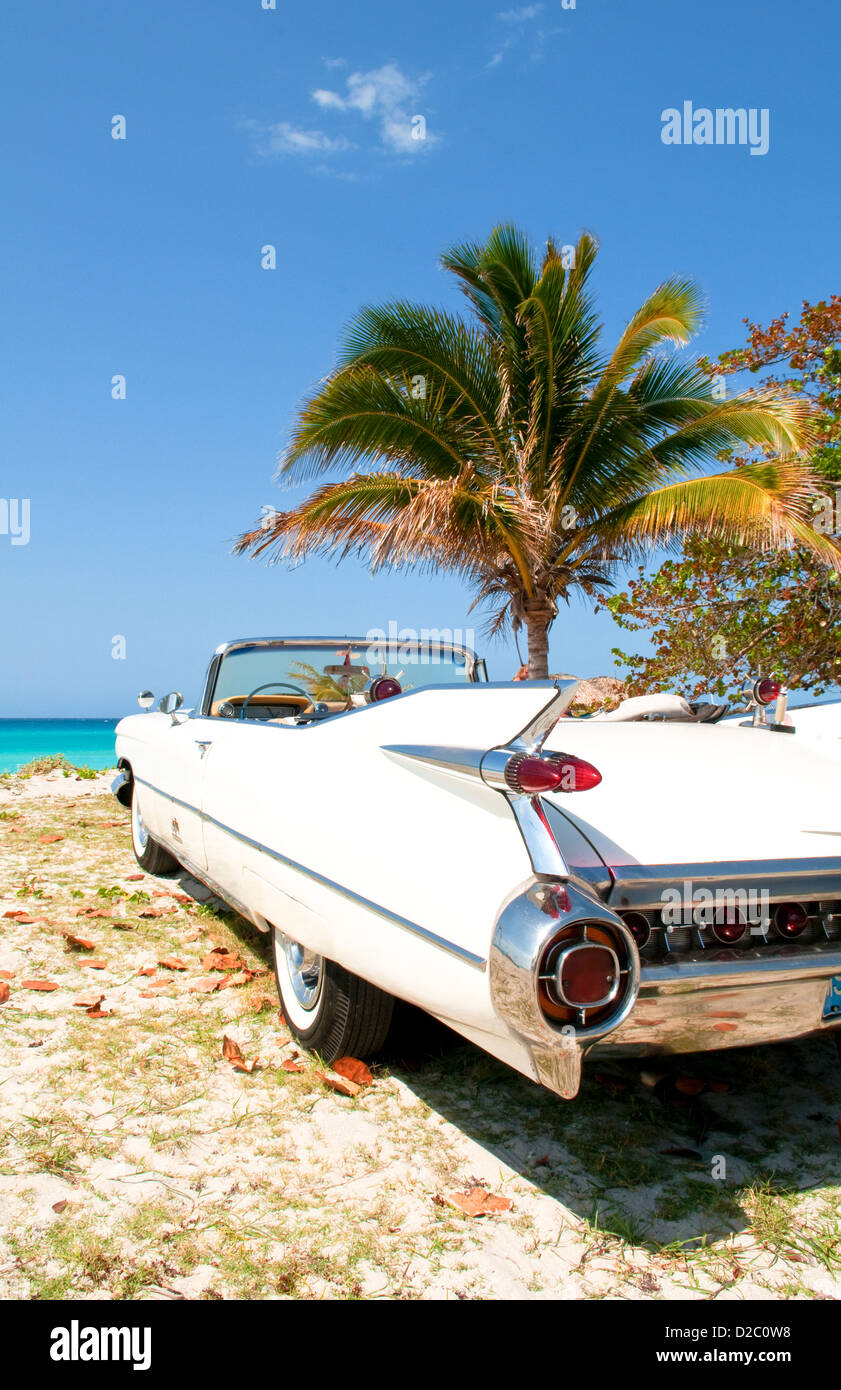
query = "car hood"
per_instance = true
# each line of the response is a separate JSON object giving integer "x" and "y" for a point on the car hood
{"x": 700, "y": 793}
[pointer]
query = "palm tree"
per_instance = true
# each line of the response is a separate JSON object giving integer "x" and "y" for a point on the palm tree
{"x": 511, "y": 450}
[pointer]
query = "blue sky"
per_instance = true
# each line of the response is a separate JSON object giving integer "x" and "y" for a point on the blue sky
{"x": 248, "y": 126}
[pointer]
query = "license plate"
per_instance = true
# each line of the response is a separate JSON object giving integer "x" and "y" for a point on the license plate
{"x": 832, "y": 1003}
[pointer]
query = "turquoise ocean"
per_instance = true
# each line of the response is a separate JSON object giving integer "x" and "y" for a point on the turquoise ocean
{"x": 85, "y": 742}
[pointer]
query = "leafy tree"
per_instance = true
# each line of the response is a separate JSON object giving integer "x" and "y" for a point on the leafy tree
{"x": 513, "y": 449}
{"x": 724, "y": 612}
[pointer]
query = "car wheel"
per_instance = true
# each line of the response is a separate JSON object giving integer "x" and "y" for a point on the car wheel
{"x": 328, "y": 1010}
{"x": 150, "y": 855}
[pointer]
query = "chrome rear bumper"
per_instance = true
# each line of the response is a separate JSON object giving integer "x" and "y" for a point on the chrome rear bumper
{"x": 697, "y": 1003}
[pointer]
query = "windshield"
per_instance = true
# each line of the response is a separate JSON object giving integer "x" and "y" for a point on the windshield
{"x": 332, "y": 673}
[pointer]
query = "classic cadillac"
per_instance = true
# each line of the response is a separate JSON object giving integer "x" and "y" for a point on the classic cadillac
{"x": 553, "y": 887}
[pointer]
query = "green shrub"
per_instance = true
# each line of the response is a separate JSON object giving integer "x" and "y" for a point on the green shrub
{"x": 56, "y": 762}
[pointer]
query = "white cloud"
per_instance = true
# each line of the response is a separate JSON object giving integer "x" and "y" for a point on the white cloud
{"x": 384, "y": 94}
{"x": 521, "y": 16}
{"x": 331, "y": 63}
{"x": 285, "y": 138}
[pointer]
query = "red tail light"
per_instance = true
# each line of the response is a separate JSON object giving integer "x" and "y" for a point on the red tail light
{"x": 729, "y": 925}
{"x": 765, "y": 691}
{"x": 557, "y": 772}
{"x": 638, "y": 926}
{"x": 790, "y": 919}
{"x": 587, "y": 976}
{"x": 383, "y": 687}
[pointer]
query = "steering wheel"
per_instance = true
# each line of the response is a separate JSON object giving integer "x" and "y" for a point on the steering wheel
{"x": 272, "y": 685}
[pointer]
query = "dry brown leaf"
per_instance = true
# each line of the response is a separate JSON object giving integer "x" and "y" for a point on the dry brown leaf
{"x": 338, "y": 1083}
{"x": 477, "y": 1201}
{"x": 191, "y": 936}
{"x": 93, "y": 912}
{"x": 135, "y": 878}
{"x": 242, "y": 977}
{"x": 49, "y": 839}
{"x": 18, "y": 914}
{"x": 76, "y": 943}
{"x": 93, "y": 964}
{"x": 99, "y": 1013}
{"x": 150, "y": 912}
{"x": 88, "y": 1001}
{"x": 291, "y": 1065}
{"x": 220, "y": 958}
{"x": 353, "y": 1070}
{"x": 59, "y": 1206}
{"x": 7, "y": 974}
{"x": 231, "y": 1050}
{"x": 182, "y": 898}
{"x": 204, "y": 986}
{"x": 172, "y": 963}
{"x": 4, "y": 991}
{"x": 44, "y": 985}
{"x": 148, "y": 970}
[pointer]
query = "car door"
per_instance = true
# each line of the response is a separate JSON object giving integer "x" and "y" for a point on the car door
{"x": 171, "y": 781}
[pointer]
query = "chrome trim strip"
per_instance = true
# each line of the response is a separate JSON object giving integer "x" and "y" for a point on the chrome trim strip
{"x": 713, "y": 969}
{"x": 642, "y": 885}
{"x": 478, "y": 962}
{"x": 543, "y": 849}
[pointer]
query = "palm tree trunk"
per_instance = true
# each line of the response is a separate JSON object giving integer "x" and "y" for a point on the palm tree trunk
{"x": 539, "y": 613}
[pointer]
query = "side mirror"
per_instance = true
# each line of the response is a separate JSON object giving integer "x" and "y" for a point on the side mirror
{"x": 145, "y": 699}
{"x": 171, "y": 702}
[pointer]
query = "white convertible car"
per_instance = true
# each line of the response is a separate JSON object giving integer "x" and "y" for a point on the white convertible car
{"x": 549, "y": 886}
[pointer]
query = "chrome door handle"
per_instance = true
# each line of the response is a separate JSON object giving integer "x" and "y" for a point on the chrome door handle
{"x": 202, "y": 745}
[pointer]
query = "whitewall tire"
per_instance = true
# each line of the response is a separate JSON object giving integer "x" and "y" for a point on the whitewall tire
{"x": 150, "y": 855}
{"x": 328, "y": 1010}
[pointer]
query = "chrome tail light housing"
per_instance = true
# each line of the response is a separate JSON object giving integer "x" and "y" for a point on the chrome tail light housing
{"x": 564, "y": 971}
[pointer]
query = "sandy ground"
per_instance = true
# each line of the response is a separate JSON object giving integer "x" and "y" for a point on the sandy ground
{"x": 137, "y": 1162}
{"x": 52, "y": 784}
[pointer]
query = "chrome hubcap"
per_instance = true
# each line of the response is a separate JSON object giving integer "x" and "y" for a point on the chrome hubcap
{"x": 305, "y": 973}
{"x": 141, "y": 834}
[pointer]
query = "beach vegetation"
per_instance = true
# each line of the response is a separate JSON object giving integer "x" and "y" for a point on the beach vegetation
{"x": 723, "y": 612}
{"x": 54, "y": 762}
{"x": 513, "y": 448}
